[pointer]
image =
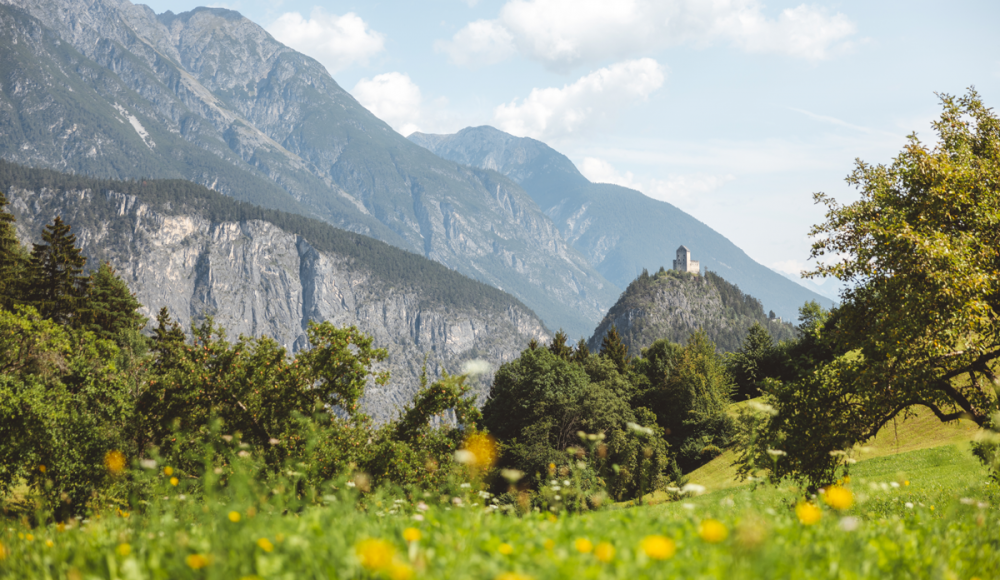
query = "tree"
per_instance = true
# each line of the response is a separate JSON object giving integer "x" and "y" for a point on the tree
{"x": 920, "y": 320}
{"x": 750, "y": 364}
{"x": 614, "y": 349}
{"x": 57, "y": 285}
{"x": 559, "y": 347}
{"x": 111, "y": 307}
{"x": 13, "y": 259}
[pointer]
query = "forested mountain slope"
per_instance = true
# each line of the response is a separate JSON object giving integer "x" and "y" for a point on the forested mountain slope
{"x": 674, "y": 305}
{"x": 265, "y": 272}
{"x": 110, "y": 89}
{"x": 619, "y": 230}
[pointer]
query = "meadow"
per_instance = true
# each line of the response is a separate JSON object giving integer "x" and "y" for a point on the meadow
{"x": 923, "y": 513}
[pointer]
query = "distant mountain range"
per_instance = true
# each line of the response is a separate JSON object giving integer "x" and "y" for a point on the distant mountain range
{"x": 266, "y": 272}
{"x": 619, "y": 230}
{"x": 110, "y": 89}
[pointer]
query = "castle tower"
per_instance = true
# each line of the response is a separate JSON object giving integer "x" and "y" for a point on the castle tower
{"x": 684, "y": 263}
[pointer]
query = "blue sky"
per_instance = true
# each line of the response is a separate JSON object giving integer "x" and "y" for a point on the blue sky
{"x": 734, "y": 110}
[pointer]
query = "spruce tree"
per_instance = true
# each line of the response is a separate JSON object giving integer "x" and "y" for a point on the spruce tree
{"x": 111, "y": 307}
{"x": 616, "y": 351}
{"x": 57, "y": 286}
{"x": 12, "y": 259}
{"x": 582, "y": 352}
{"x": 559, "y": 347}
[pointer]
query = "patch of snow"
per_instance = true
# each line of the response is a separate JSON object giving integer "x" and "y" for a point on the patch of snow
{"x": 139, "y": 129}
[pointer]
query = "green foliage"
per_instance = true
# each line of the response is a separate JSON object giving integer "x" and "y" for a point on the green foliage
{"x": 752, "y": 362}
{"x": 56, "y": 285}
{"x": 111, "y": 308}
{"x": 613, "y": 349}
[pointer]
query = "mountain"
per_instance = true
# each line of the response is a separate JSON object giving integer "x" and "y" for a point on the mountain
{"x": 619, "y": 230}
{"x": 674, "y": 305}
{"x": 266, "y": 272}
{"x": 111, "y": 89}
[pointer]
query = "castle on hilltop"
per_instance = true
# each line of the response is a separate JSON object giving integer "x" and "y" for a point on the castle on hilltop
{"x": 684, "y": 263}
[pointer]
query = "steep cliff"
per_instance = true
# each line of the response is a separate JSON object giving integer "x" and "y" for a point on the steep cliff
{"x": 619, "y": 230}
{"x": 110, "y": 89}
{"x": 674, "y": 305}
{"x": 188, "y": 249}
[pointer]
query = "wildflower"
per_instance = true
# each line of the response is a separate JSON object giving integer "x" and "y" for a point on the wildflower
{"x": 197, "y": 561}
{"x": 114, "y": 460}
{"x": 839, "y": 498}
{"x": 604, "y": 552}
{"x": 375, "y": 555}
{"x": 712, "y": 531}
{"x": 808, "y": 513}
{"x": 174, "y": 481}
{"x": 123, "y": 549}
{"x": 49, "y": 543}
{"x": 505, "y": 549}
{"x": 639, "y": 429}
{"x": 850, "y": 523}
{"x": 3, "y": 552}
{"x": 411, "y": 535}
{"x": 658, "y": 547}
{"x": 400, "y": 571}
{"x": 168, "y": 471}
{"x": 549, "y": 544}
{"x": 512, "y": 576}
{"x": 583, "y": 545}
{"x": 909, "y": 505}
{"x": 693, "y": 489}
{"x": 234, "y": 517}
{"x": 483, "y": 448}
{"x": 776, "y": 453}
{"x": 30, "y": 537}
{"x": 41, "y": 468}
{"x": 265, "y": 544}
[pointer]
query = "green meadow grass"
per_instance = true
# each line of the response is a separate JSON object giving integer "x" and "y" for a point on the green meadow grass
{"x": 926, "y": 513}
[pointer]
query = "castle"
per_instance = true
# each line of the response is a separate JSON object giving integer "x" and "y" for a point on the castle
{"x": 684, "y": 263}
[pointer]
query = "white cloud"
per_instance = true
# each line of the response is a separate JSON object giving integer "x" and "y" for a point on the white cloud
{"x": 479, "y": 43}
{"x": 338, "y": 42}
{"x": 554, "y": 112}
{"x": 394, "y": 98}
{"x": 673, "y": 189}
{"x": 566, "y": 33}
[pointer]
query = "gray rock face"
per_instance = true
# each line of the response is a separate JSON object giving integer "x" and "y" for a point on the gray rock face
{"x": 259, "y": 280}
{"x": 108, "y": 88}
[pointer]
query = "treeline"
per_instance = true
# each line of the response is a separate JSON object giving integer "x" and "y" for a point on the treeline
{"x": 397, "y": 268}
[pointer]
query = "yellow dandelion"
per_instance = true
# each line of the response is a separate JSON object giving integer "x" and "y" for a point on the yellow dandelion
{"x": 713, "y": 531}
{"x": 3, "y": 552}
{"x": 658, "y": 547}
{"x": 41, "y": 468}
{"x": 31, "y": 537}
{"x": 907, "y": 482}
{"x": 400, "y": 571}
{"x": 549, "y": 544}
{"x": 197, "y": 561}
{"x": 168, "y": 471}
{"x": 583, "y": 545}
{"x": 839, "y": 498}
{"x": 234, "y": 516}
{"x": 49, "y": 543}
{"x": 265, "y": 544}
{"x": 513, "y": 576}
{"x": 123, "y": 549}
{"x": 114, "y": 460}
{"x": 604, "y": 552}
{"x": 483, "y": 448}
{"x": 174, "y": 481}
{"x": 505, "y": 549}
{"x": 808, "y": 513}
{"x": 375, "y": 555}
{"x": 411, "y": 535}
{"x": 60, "y": 527}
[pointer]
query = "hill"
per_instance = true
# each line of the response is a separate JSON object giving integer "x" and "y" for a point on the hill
{"x": 619, "y": 230}
{"x": 265, "y": 272}
{"x": 674, "y": 305}
{"x": 110, "y": 89}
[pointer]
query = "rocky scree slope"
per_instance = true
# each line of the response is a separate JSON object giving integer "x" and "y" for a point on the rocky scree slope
{"x": 200, "y": 254}
{"x": 674, "y": 305}
{"x": 111, "y": 89}
{"x": 619, "y": 230}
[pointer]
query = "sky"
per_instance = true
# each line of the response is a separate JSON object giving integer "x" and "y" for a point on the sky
{"x": 736, "y": 111}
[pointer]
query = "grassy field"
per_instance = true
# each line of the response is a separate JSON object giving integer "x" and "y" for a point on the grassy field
{"x": 920, "y": 431}
{"x": 926, "y": 513}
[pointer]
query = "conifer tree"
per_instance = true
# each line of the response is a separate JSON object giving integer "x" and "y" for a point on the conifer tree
{"x": 559, "y": 347}
{"x": 12, "y": 259}
{"x": 582, "y": 352}
{"x": 111, "y": 306}
{"x": 616, "y": 351}
{"x": 57, "y": 285}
